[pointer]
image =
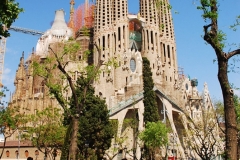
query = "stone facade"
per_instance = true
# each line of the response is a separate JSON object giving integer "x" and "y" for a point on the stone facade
{"x": 127, "y": 38}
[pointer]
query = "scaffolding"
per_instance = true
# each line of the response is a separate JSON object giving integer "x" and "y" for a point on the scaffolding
{"x": 83, "y": 17}
{"x": 2, "y": 54}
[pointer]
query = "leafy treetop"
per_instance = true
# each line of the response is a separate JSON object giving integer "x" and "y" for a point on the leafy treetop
{"x": 9, "y": 10}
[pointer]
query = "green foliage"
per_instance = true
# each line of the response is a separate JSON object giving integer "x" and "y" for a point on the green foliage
{"x": 236, "y": 101}
{"x": 114, "y": 124}
{"x": 53, "y": 69}
{"x": 220, "y": 39}
{"x": 10, "y": 119}
{"x": 150, "y": 104}
{"x": 201, "y": 135}
{"x": 220, "y": 113}
{"x": 65, "y": 147}
{"x": 46, "y": 130}
{"x": 95, "y": 128}
{"x": 236, "y": 24}
{"x": 216, "y": 38}
{"x": 3, "y": 91}
{"x": 9, "y": 10}
{"x": 206, "y": 8}
{"x": 160, "y": 3}
{"x": 110, "y": 64}
{"x": 210, "y": 13}
{"x": 219, "y": 108}
{"x": 71, "y": 48}
{"x": 154, "y": 136}
{"x": 58, "y": 77}
{"x": 130, "y": 122}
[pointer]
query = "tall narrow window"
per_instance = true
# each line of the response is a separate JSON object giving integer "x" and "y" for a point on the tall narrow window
{"x": 103, "y": 39}
{"x": 151, "y": 37}
{"x": 119, "y": 33}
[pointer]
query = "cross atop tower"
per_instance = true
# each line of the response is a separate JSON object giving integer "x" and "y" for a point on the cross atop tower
{"x": 71, "y": 21}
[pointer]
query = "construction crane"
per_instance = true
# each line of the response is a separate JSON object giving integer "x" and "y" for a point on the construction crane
{"x": 27, "y": 31}
{"x": 3, "y": 45}
{"x": 33, "y": 32}
{"x": 2, "y": 53}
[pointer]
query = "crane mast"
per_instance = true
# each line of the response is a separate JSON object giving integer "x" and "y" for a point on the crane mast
{"x": 2, "y": 54}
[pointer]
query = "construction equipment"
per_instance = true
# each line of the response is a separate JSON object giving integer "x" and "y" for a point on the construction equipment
{"x": 2, "y": 53}
{"x": 27, "y": 31}
{"x": 83, "y": 16}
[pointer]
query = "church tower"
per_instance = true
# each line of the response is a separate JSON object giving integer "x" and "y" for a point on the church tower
{"x": 128, "y": 38}
{"x": 158, "y": 42}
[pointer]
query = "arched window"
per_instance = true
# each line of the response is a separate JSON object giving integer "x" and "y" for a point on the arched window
{"x": 26, "y": 153}
{"x": 7, "y": 153}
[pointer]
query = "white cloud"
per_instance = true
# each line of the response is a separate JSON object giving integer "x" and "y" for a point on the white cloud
{"x": 11, "y": 51}
{"x": 7, "y": 77}
{"x": 6, "y": 71}
{"x": 237, "y": 92}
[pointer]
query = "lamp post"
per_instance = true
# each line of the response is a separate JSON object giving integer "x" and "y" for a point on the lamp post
{"x": 86, "y": 146}
{"x": 125, "y": 151}
{"x": 164, "y": 111}
{"x": 115, "y": 147}
{"x": 19, "y": 139}
{"x": 173, "y": 140}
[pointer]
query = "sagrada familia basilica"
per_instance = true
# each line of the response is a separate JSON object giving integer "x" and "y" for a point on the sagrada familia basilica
{"x": 129, "y": 37}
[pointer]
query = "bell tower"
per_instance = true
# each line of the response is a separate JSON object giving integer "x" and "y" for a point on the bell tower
{"x": 158, "y": 41}
{"x": 124, "y": 36}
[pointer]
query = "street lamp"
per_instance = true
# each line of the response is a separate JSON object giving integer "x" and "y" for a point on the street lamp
{"x": 19, "y": 138}
{"x": 164, "y": 111}
{"x": 125, "y": 151}
{"x": 173, "y": 140}
{"x": 86, "y": 146}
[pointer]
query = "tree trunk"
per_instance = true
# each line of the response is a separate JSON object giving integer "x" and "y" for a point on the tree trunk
{"x": 229, "y": 110}
{"x": 238, "y": 149}
{"x": 73, "y": 143}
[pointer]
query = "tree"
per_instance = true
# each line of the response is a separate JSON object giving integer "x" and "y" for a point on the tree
{"x": 116, "y": 141}
{"x": 95, "y": 129}
{"x": 154, "y": 136}
{"x": 132, "y": 124}
{"x": 54, "y": 71}
{"x": 203, "y": 135}
{"x": 216, "y": 38}
{"x": 10, "y": 121}
{"x": 46, "y": 131}
{"x": 9, "y": 10}
{"x": 150, "y": 104}
{"x": 59, "y": 78}
{"x": 220, "y": 112}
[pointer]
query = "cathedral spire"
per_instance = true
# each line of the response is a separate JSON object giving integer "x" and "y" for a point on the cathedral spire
{"x": 86, "y": 10}
{"x": 71, "y": 21}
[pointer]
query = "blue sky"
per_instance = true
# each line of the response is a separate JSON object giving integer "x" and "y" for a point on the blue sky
{"x": 193, "y": 54}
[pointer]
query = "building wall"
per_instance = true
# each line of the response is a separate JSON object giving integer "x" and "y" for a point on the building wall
{"x": 22, "y": 153}
{"x": 122, "y": 86}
